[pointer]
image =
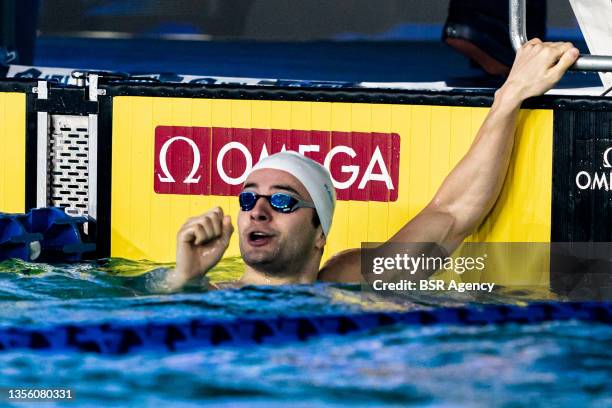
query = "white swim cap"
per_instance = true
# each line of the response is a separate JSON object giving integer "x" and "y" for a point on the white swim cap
{"x": 315, "y": 178}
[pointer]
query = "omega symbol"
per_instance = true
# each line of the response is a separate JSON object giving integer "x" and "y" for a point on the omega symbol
{"x": 164, "y": 166}
{"x": 605, "y": 158}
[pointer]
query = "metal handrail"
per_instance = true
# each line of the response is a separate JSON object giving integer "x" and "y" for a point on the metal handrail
{"x": 518, "y": 37}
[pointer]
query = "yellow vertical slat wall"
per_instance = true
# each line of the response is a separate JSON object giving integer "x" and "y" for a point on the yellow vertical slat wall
{"x": 432, "y": 140}
{"x": 523, "y": 211}
{"x": 12, "y": 152}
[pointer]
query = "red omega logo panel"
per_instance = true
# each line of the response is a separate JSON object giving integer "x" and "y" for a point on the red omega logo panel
{"x": 214, "y": 161}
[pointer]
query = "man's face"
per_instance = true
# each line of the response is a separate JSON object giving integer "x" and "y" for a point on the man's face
{"x": 271, "y": 240}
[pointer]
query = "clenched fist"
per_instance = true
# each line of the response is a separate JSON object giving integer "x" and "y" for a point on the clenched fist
{"x": 201, "y": 242}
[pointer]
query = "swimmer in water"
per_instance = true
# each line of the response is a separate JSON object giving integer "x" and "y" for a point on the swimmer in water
{"x": 287, "y": 202}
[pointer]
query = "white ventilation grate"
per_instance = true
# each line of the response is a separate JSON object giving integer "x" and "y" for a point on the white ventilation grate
{"x": 68, "y": 163}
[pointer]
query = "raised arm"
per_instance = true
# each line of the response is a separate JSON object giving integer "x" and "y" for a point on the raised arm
{"x": 470, "y": 190}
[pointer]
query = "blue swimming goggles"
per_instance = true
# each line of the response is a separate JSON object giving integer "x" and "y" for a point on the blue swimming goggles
{"x": 280, "y": 202}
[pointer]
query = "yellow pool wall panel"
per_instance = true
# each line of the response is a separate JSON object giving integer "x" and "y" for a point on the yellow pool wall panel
{"x": 432, "y": 140}
{"x": 12, "y": 152}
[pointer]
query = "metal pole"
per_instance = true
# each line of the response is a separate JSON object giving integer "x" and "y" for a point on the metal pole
{"x": 518, "y": 37}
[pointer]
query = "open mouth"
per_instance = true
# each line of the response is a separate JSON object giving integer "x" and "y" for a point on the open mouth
{"x": 258, "y": 238}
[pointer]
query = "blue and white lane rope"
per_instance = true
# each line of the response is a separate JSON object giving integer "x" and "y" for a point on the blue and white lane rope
{"x": 43, "y": 235}
{"x": 129, "y": 337}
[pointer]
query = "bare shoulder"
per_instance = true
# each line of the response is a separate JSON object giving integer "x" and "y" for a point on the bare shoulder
{"x": 343, "y": 267}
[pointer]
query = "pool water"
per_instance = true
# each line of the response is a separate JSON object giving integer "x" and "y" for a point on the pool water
{"x": 548, "y": 364}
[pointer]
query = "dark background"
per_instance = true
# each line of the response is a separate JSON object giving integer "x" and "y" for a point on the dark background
{"x": 272, "y": 20}
{"x": 138, "y": 37}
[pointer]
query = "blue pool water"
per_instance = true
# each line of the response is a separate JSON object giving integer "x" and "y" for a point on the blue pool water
{"x": 546, "y": 364}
